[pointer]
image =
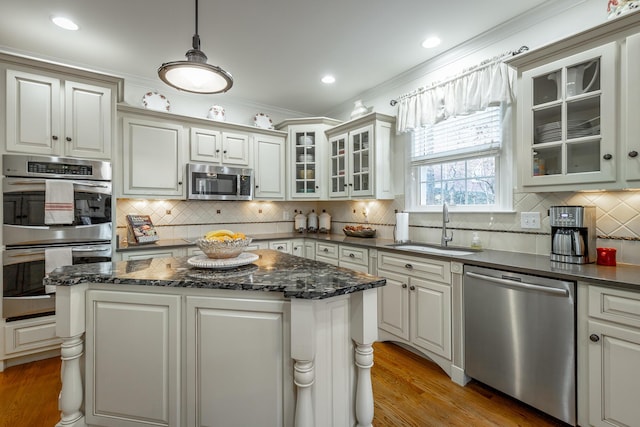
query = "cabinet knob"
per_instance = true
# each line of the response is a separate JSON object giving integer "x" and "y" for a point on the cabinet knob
{"x": 218, "y": 150}
{"x": 179, "y": 182}
{"x": 224, "y": 152}
{"x": 404, "y": 286}
{"x": 412, "y": 288}
{"x": 594, "y": 337}
{"x": 257, "y": 186}
{"x": 326, "y": 250}
{"x": 68, "y": 139}
{"x": 352, "y": 256}
{"x": 280, "y": 248}
{"x": 350, "y": 185}
{"x": 607, "y": 156}
{"x": 409, "y": 266}
{"x": 54, "y": 137}
{"x": 633, "y": 153}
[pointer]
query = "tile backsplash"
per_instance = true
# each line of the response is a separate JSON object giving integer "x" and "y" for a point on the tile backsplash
{"x": 618, "y": 219}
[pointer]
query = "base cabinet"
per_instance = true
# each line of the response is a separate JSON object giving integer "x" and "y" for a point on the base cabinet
{"x": 134, "y": 362}
{"x": 415, "y": 306}
{"x": 217, "y": 355}
{"x": 613, "y": 357}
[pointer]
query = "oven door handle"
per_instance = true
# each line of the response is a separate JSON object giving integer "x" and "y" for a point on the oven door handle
{"x": 84, "y": 184}
{"x": 92, "y": 249}
{"x": 30, "y": 297}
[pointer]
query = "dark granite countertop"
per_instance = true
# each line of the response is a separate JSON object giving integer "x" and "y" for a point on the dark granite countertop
{"x": 274, "y": 271}
{"x": 622, "y": 275}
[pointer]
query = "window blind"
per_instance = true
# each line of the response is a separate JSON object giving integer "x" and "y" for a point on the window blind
{"x": 459, "y": 137}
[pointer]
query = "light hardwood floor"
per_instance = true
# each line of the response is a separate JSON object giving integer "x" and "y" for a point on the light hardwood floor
{"x": 409, "y": 391}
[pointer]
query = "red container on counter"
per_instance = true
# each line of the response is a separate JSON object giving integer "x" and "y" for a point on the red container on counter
{"x": 606, "y": 256}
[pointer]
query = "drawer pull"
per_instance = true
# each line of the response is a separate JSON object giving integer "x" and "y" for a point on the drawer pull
{"x": 326, "y": 250}
{"x": 594, "y": 337}
{"x": 633, "y": 154}
{"x": 409, "y": 266}
{"x": 280, "y": 248}
{"x": 352, "y": 256}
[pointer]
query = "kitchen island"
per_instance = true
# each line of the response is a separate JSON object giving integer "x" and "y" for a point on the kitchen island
{"x": 284, "y": 341}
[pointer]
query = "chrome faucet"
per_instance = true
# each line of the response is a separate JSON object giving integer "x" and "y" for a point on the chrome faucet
{"x": 445, "y": 219}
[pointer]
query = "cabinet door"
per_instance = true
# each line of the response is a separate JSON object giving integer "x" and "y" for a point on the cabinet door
{"x": 33, "y": 113}
{"x": 338, "y": 166}
{"x": 88, "y": 121}
{"x": 240, "y": 344}
{"x": 569, "y": 120}
{"x": 205, "y": 145}
{"x": 361, "y": 162}
{"x": 269, "y": 167}
{"x": 153, "y": 164}
{"x": 614, "y": 377}
{"x": 430, "y": 323}
{"x": 393, "y": 304}
{"x": 632, "y": 91}
{"x": 235, "y": 149}
{"x": 298, "y": 248}
{"x": 310, "y": 250}
{"x": 133, "y": 359}
{"x": 305, "y": 171}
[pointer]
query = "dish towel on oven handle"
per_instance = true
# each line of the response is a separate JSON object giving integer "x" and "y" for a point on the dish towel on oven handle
{"x": 54, "y": 258}
{"x": 58, "y": 202}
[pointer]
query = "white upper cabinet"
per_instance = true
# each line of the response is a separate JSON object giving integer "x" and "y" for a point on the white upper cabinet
{"x": 360, "y": 158}
{"x": 568, "y": 119}
{"x": 307, "y": 157}
{"x": 268, "y": 173}
{"x": 51, "y": 115}
{"x": 153, "y": 159}
{"x": 224, "y": 148}
{"x": 631, "y": 118}
{"x": 578, "y": 101}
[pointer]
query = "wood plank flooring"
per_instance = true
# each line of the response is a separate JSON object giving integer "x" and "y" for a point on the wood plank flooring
{"x": 409, "y": 391}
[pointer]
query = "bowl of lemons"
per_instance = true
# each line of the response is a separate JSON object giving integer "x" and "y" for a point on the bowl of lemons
{"x": 221, "y": 244}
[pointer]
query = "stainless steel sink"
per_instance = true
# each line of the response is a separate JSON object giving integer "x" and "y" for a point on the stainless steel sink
{"x": 437, "y": 250}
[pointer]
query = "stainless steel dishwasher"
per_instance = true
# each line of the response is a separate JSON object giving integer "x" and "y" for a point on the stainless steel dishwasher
{"x": 519, "y": 337}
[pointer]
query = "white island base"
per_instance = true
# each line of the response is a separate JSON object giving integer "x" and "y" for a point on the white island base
{"x": 161, "y": 356}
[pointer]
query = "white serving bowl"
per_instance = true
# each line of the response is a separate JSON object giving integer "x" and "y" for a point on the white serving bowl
{"x": 217, "y": 249}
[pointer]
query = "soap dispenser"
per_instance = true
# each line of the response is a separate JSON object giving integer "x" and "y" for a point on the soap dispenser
{"x": 476, "y": 243}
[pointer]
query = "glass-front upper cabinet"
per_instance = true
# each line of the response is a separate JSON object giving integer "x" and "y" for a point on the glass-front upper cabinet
{"x": 338, "y": 165}
{"x": 359, "y": 161}
{"x": 568, "y": 119}
{"x": 306, "y": 163}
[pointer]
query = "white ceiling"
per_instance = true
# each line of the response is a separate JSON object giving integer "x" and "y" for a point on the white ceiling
{"x": 276, "y": 50}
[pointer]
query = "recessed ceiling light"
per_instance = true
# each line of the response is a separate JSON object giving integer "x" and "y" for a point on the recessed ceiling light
{"x": 65, "y": 23}
{"x": 328, "y": 79}
{"x": 431, "y": 42}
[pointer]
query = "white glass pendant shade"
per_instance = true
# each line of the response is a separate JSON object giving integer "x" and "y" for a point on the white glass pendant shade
{"x": 195, "y": 75}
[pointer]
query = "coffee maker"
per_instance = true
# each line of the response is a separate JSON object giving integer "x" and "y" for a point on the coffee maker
{"x": 573, "y": 234}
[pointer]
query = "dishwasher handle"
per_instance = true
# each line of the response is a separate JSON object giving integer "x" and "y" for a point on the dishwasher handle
{"x": 519, "y": 285}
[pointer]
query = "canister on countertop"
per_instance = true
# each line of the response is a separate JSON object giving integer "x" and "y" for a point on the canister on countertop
{"x": 312, "y": 222}
{"x": 300, "y": 222}
{"x": 325, "y": 222}
{"x": 606, "y": 256}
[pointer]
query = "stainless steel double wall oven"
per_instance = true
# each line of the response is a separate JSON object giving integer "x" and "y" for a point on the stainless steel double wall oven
{"x": 26, "y": 237}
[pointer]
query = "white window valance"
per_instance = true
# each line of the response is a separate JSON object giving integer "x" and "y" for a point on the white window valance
{"x": 492, "y": 84}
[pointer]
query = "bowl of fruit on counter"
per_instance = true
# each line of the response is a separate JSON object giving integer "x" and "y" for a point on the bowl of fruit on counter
{"x": 221, "y": 244}
{"x": 359, "y": 231}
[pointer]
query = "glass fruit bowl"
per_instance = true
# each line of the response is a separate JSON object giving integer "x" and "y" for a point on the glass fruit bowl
{"x": 221, "y": 249}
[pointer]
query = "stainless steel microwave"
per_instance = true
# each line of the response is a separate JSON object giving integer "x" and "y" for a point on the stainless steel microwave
{"x": 211, "y": 182}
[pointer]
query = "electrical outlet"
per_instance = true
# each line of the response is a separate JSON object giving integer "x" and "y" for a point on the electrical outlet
{"x": 285, "y": 216}
{"x": 530, "y": 220}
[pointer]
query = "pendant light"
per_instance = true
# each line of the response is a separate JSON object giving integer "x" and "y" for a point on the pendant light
{"x": 195, "y": 75}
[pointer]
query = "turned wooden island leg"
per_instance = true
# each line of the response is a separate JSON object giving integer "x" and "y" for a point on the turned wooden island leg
{"x": 364, "y": 332}
{"x": 70, "y": 326}
{"x": 303, "y": 350}
{"x": 70, "y": 399}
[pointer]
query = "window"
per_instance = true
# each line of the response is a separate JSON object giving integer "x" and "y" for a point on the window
{"x": 460, "y": 160}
